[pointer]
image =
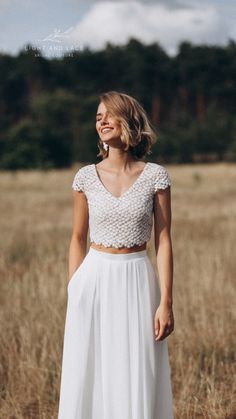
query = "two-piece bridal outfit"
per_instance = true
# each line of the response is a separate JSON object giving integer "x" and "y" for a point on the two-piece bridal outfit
{"x": 112, "y": 367}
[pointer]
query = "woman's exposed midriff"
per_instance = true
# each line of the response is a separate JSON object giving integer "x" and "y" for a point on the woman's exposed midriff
{"x": 135, "y": 248}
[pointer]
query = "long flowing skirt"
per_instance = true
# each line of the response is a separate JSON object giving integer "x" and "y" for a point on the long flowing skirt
{"x": 112, "y": 368}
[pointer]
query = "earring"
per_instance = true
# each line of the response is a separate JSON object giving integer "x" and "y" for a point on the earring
{"x": 105, "y": 146}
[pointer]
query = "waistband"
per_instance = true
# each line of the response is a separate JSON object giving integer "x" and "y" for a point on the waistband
{"x": 118, "y": 256}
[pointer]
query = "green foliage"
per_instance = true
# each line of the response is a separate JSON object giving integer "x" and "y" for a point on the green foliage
{"x": 48, "y": 106}
{"x": 45, "y": 140}
{"x": 21, "y": 149}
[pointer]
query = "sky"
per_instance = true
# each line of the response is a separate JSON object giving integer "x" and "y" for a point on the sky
{"x": 56, "y": 27}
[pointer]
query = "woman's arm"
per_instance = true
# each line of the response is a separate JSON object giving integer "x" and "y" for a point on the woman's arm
{"x": 164, "y": 321}
{"x": 78, "y": 244}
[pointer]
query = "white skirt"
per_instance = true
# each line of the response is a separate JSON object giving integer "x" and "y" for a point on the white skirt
{"x": 112, "y": 368}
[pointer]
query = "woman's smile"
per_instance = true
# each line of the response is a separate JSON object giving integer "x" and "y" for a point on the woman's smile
{"x": 106, "y": 129}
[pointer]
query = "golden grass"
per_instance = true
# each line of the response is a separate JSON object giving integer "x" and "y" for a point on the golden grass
{"x": 36, "y": 221}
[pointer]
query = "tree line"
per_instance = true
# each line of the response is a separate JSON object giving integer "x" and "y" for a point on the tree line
{"x": 48, "y": 106}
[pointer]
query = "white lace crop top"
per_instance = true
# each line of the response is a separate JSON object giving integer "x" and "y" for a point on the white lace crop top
{"x": 125, "y": 220}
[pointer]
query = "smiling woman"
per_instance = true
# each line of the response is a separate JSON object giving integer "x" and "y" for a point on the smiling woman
{"x": 115, "y": 356}
{"x": 124, "y": 118}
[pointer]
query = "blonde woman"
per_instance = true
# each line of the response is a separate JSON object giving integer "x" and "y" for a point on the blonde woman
{"x": 115, "y": 355}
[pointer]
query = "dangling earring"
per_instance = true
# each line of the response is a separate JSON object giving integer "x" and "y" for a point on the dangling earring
{"x": 105, "y": 146}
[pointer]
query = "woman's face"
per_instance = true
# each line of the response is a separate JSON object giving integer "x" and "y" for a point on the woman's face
{"x": 106, "y": 125}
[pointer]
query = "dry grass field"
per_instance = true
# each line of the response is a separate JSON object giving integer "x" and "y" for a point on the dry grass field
{"x": 35, "y": 225}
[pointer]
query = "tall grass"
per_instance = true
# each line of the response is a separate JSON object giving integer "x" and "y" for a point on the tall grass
{"x": 35, "y": 223}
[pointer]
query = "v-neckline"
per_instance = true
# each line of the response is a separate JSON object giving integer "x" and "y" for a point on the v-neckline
{"x": 124, "y": 193}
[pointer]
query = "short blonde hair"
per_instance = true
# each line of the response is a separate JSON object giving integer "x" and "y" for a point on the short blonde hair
{"x": 138, "y": 135}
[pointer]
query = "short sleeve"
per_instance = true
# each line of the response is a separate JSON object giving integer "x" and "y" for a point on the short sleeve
{"x": 162, "y": 179}
{"x": 78, "y": 181}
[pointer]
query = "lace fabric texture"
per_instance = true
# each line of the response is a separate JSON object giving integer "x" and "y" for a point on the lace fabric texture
{"x": 126, "y": 220}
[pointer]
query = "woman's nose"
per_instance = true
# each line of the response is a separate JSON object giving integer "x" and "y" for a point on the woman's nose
{"x": 104, "y": 119}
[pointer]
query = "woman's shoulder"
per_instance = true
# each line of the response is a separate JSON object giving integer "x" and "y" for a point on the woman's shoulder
{"x": 156, "y": 166}
{"x": 161, "y": 176}
{"x": 81, "y": 177}
{"x": 85, "y": 168}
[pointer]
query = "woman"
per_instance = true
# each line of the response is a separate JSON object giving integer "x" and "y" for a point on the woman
{"x": 115, "y": 355}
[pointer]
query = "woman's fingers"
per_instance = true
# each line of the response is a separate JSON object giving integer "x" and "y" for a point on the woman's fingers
{"x": 163, "y": 331}
{"x": 163, "y": 323}
{"x": 156, "y": 326}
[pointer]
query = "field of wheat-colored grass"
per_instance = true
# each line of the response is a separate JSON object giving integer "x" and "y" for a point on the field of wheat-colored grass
{"x": 35, "y": 223}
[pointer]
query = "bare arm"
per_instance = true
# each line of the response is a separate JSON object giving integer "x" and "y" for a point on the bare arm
{"x": 164, "y": 322}
{"x": 163, "y": 244}
{"x": 78, "y": 244}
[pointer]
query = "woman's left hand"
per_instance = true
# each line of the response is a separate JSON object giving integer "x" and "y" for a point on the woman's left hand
{"x": 163, "y": 322}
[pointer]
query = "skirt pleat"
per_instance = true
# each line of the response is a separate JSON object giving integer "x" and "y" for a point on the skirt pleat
{"x": 112, "y": 368}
